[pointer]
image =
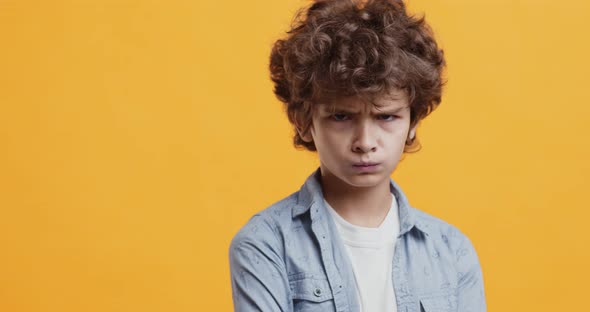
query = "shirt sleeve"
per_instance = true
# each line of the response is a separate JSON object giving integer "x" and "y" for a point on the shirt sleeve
{"x": 258, "y": 276}
{"x": 470, "y": 292}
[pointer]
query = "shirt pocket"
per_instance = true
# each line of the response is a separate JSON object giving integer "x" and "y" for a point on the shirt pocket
{"x": 436, "y": 304}
{"x": 311, "y": 293}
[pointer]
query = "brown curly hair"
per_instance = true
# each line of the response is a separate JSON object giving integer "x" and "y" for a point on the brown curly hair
{"x": 356, "y": 48}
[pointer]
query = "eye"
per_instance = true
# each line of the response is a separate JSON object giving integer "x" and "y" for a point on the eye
{"x": 387, "y": 117}
{"x": 340, "y": 117}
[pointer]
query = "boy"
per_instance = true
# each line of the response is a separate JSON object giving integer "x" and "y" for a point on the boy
{"x": 356, "y": 78}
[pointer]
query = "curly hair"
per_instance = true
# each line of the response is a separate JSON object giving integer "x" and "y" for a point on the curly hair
{"x": 360, "y": 48}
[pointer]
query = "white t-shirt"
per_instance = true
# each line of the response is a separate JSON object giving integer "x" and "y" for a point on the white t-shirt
{"x": 371, "y": 253}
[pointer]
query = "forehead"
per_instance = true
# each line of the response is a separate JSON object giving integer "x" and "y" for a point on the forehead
{"x": 392, "y": 100}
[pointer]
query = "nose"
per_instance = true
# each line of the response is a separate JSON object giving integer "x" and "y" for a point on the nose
{"x": 365, "y": 139}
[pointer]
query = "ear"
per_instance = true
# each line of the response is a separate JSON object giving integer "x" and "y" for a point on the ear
{"x": 306, "y": 137}
{"x": 412, "y": 132}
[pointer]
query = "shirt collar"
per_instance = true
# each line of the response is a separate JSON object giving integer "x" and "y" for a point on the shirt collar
{"x": 310, "y": 194}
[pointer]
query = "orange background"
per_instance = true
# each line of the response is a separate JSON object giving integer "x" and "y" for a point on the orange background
{"x": 138, "y": 136}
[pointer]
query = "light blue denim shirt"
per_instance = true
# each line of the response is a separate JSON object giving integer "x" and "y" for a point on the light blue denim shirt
{"x": 289, "y": 257}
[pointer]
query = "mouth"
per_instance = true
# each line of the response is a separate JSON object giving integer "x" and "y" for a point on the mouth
{"x": 365, "y": 164}
{"x": 366, "y": 167}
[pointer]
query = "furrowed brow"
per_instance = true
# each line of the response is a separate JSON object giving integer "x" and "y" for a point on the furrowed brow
{"x": 333, "y": 109}
{"x": 391, "y": 111}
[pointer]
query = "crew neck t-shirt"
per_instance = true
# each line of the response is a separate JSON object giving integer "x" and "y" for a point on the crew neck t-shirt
{"x": 371, "y": 254}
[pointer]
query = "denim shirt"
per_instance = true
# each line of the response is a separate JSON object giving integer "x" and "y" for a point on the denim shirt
{"x": 289, "y": 257}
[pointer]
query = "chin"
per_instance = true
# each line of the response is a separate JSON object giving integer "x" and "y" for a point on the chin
{"x": 366, "y": 180}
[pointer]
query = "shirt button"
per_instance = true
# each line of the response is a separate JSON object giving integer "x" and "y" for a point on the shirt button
{"x": 317, "y": 292}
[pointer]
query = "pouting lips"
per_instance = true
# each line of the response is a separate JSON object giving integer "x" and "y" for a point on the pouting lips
{"x": 365, "y": 164}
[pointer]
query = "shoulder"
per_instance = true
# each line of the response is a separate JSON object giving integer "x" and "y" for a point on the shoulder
{"x": 443, "y": 232}
{"x": 266, "y": 227}
{"x": 449, "y": 239}
{"x": 455, "y": 256}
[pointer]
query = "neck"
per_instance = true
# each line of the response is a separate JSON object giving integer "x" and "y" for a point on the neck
{"x": 362, "y": 206}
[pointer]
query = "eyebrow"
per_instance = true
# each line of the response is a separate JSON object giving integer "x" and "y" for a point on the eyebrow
{"x": 353, "y": 111}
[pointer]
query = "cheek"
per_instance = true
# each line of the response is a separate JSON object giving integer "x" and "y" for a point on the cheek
{"x": 329, "y": 133}
{"x": 395, "y": 138}
{"x": 329, "y": 142}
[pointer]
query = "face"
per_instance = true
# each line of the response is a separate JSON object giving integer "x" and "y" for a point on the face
{"x": 358, "y": 143}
